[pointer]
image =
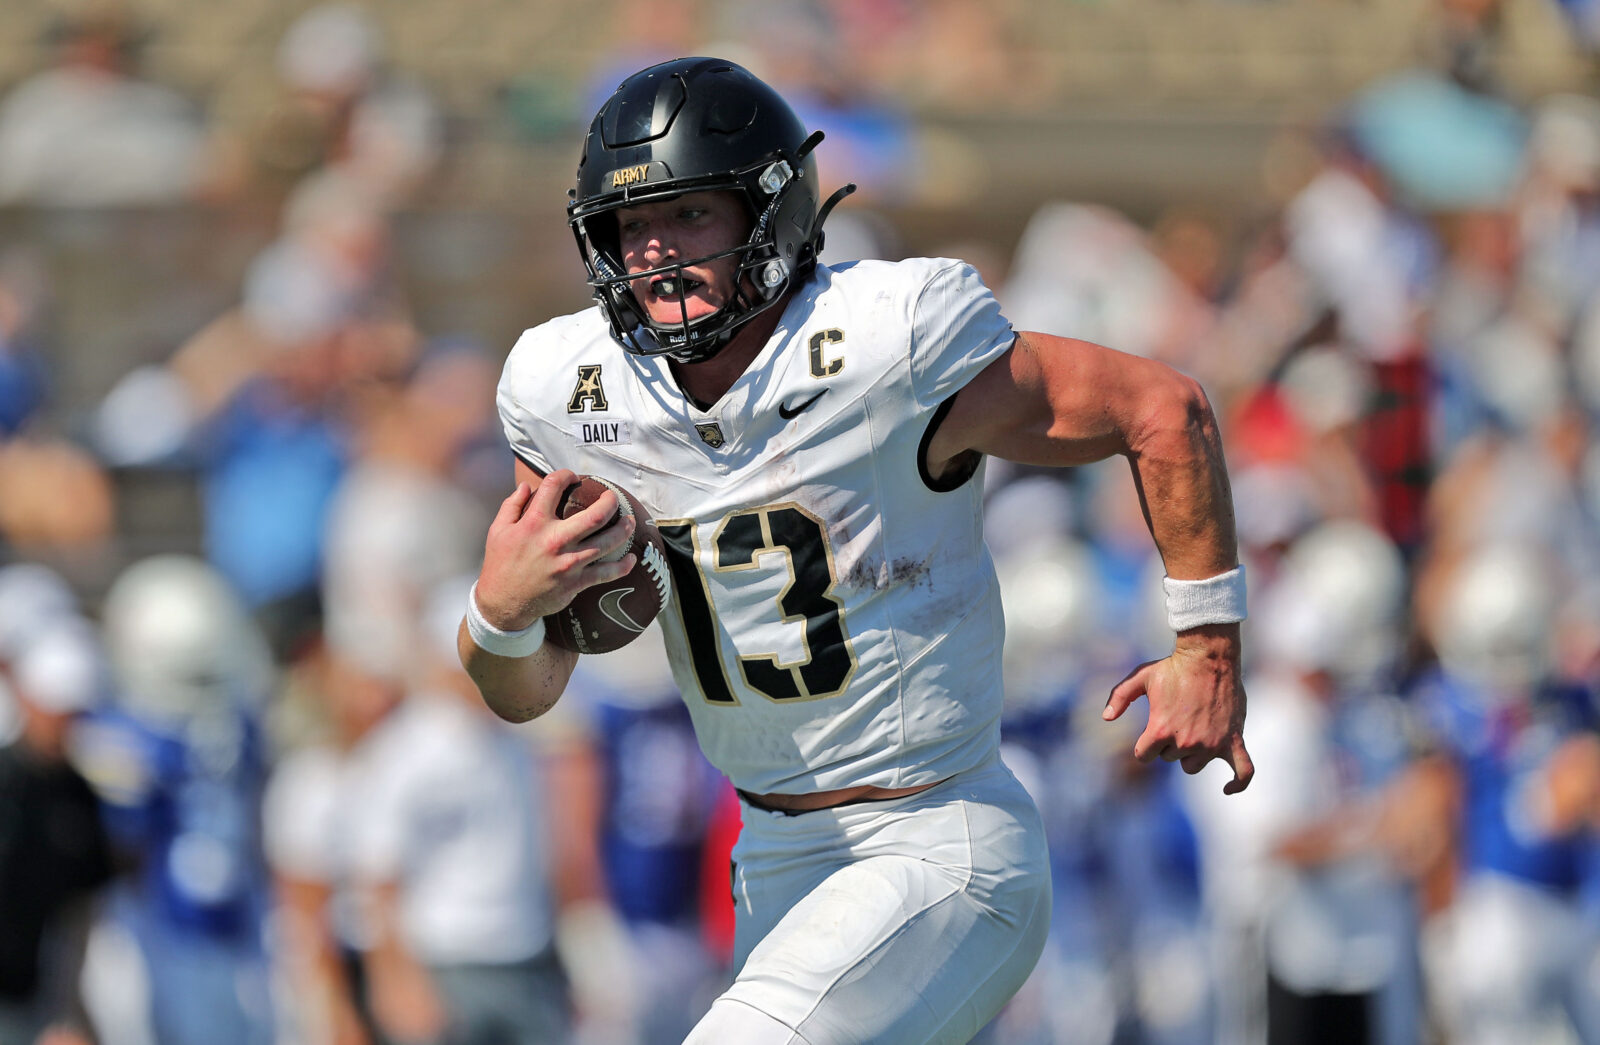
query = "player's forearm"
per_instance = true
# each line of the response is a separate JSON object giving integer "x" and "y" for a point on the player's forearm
{"x": 517, "y": 688}
{"x": 1176, "y": 454}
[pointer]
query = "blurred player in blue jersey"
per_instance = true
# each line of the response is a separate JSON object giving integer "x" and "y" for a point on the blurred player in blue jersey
{"x": 1514, "y": 955}
{"x": 179, "y": 764}
{"x": 811, "y": 440}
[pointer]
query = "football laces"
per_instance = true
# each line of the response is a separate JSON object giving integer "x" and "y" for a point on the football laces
{"x": 656, "y": 564}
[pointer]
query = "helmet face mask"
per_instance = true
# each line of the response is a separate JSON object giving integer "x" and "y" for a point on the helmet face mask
{"x": 697, "y": 125}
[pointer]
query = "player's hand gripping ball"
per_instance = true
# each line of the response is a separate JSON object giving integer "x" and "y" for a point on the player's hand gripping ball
{"x": 608, "y": 616}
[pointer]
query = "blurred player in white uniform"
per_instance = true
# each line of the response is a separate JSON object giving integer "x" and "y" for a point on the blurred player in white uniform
{"x": 811, "y": 442}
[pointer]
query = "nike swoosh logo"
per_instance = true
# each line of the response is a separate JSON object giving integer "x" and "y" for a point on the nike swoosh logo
{"x": 611, "y": 606}
{"x": 788, "y": 412}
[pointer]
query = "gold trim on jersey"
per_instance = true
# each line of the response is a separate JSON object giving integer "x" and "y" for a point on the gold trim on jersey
{"x": 697, "y": 612}
{"x": 809, "y": 670}
{"x": 737, "y": 543}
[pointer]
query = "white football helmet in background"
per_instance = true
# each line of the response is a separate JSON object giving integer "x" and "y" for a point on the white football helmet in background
{"x": 1049, "y": 596}
{"x": 181, "y": 640}
{"x": 1337, "y": 604}
{"x": 1493, "y": 625}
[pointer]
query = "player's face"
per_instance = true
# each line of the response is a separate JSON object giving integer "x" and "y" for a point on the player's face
{"x": 686, "y": 227}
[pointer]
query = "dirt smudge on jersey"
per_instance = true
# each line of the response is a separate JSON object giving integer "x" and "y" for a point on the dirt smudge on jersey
{"x": 904, "y": 570}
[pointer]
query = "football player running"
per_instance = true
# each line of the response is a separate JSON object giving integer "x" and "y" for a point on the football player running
{"x": 812, "y": 441}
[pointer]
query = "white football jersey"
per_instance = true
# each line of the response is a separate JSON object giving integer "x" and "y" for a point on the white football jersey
{"x": 835, "y": 619}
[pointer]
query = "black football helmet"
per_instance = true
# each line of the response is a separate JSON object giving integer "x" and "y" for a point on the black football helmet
{"x": 694, "y": 125}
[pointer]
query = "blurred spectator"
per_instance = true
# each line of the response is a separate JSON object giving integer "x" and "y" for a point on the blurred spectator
{"x": 1125, "y": 939}
{"x": 1511, "y": 959}
{"x": 88, "y": 131}
{"x": 453, "y": 842}
{"x": 1361, "y": 818}
{"x": 57, "y": 505}
{"x": 1281, "y": 913}
{"x": 1557, "y": 208}
{"x": 1369, "y": 261}
{"x": 1088, "y": 272}
{"x": 400, "y": 522}
{"x": 1584, "y": 18}
{"x": 265, "y": 401}
{"x": 179, "y": 763}
{"x": 24, "y": 378}
{"x": 313, "y": 801}
{"x": 1297, "y": 444}
{"x": 429, "y": 858}
{"x": 340, "y": 111}
{"x": 1501, "y": 489}
{"x": 871, "y": 139}
{"x": 1368, "y": 265}
{"x": 32, "y": 597}
{"x": 656, "y": 799}
{"x": 54, "y": 855}
{"x": 1498, "y": 361}
{"x": 1461, "y": 38}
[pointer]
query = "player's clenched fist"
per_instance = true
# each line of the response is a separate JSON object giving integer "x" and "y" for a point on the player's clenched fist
{"x": 534, "y": 561}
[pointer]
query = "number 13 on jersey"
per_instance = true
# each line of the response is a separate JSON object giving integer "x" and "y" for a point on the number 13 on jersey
{"x": 757, "y": 570}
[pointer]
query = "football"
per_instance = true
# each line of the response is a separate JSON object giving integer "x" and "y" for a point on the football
{"x": 605, "y": 617}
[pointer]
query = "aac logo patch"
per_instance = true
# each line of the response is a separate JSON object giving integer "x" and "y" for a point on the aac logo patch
{"x": 588, "y": 395}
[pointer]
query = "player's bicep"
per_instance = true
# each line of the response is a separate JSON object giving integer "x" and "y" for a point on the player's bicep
{"x": 1049, "y": 401}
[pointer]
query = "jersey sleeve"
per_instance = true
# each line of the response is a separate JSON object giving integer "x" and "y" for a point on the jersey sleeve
{"x": 956, "y": 331}
{"x": 518, "y": 419}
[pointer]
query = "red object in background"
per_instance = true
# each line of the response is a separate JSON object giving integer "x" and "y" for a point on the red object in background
{"x": 1396, "y": 447}
{"x": 1264, "y": 429}
{"x": 1393, "y": 441}
{"x": 716, "y": 882}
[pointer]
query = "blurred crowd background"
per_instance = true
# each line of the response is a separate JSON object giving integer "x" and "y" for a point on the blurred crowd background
{"x": 260, "y": 262}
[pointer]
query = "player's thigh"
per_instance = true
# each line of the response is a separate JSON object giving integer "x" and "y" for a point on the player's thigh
{"x": 935, "y": 921}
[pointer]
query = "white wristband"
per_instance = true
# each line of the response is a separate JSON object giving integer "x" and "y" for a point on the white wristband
{"x": 498, "y": 641}
{"x": 1214, "y": 600}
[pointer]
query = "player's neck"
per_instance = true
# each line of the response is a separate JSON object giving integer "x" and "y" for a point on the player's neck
{"x": 705, "y": 383}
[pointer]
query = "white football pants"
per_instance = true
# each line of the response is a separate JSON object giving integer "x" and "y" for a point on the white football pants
{"x": 906, "y": 921}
